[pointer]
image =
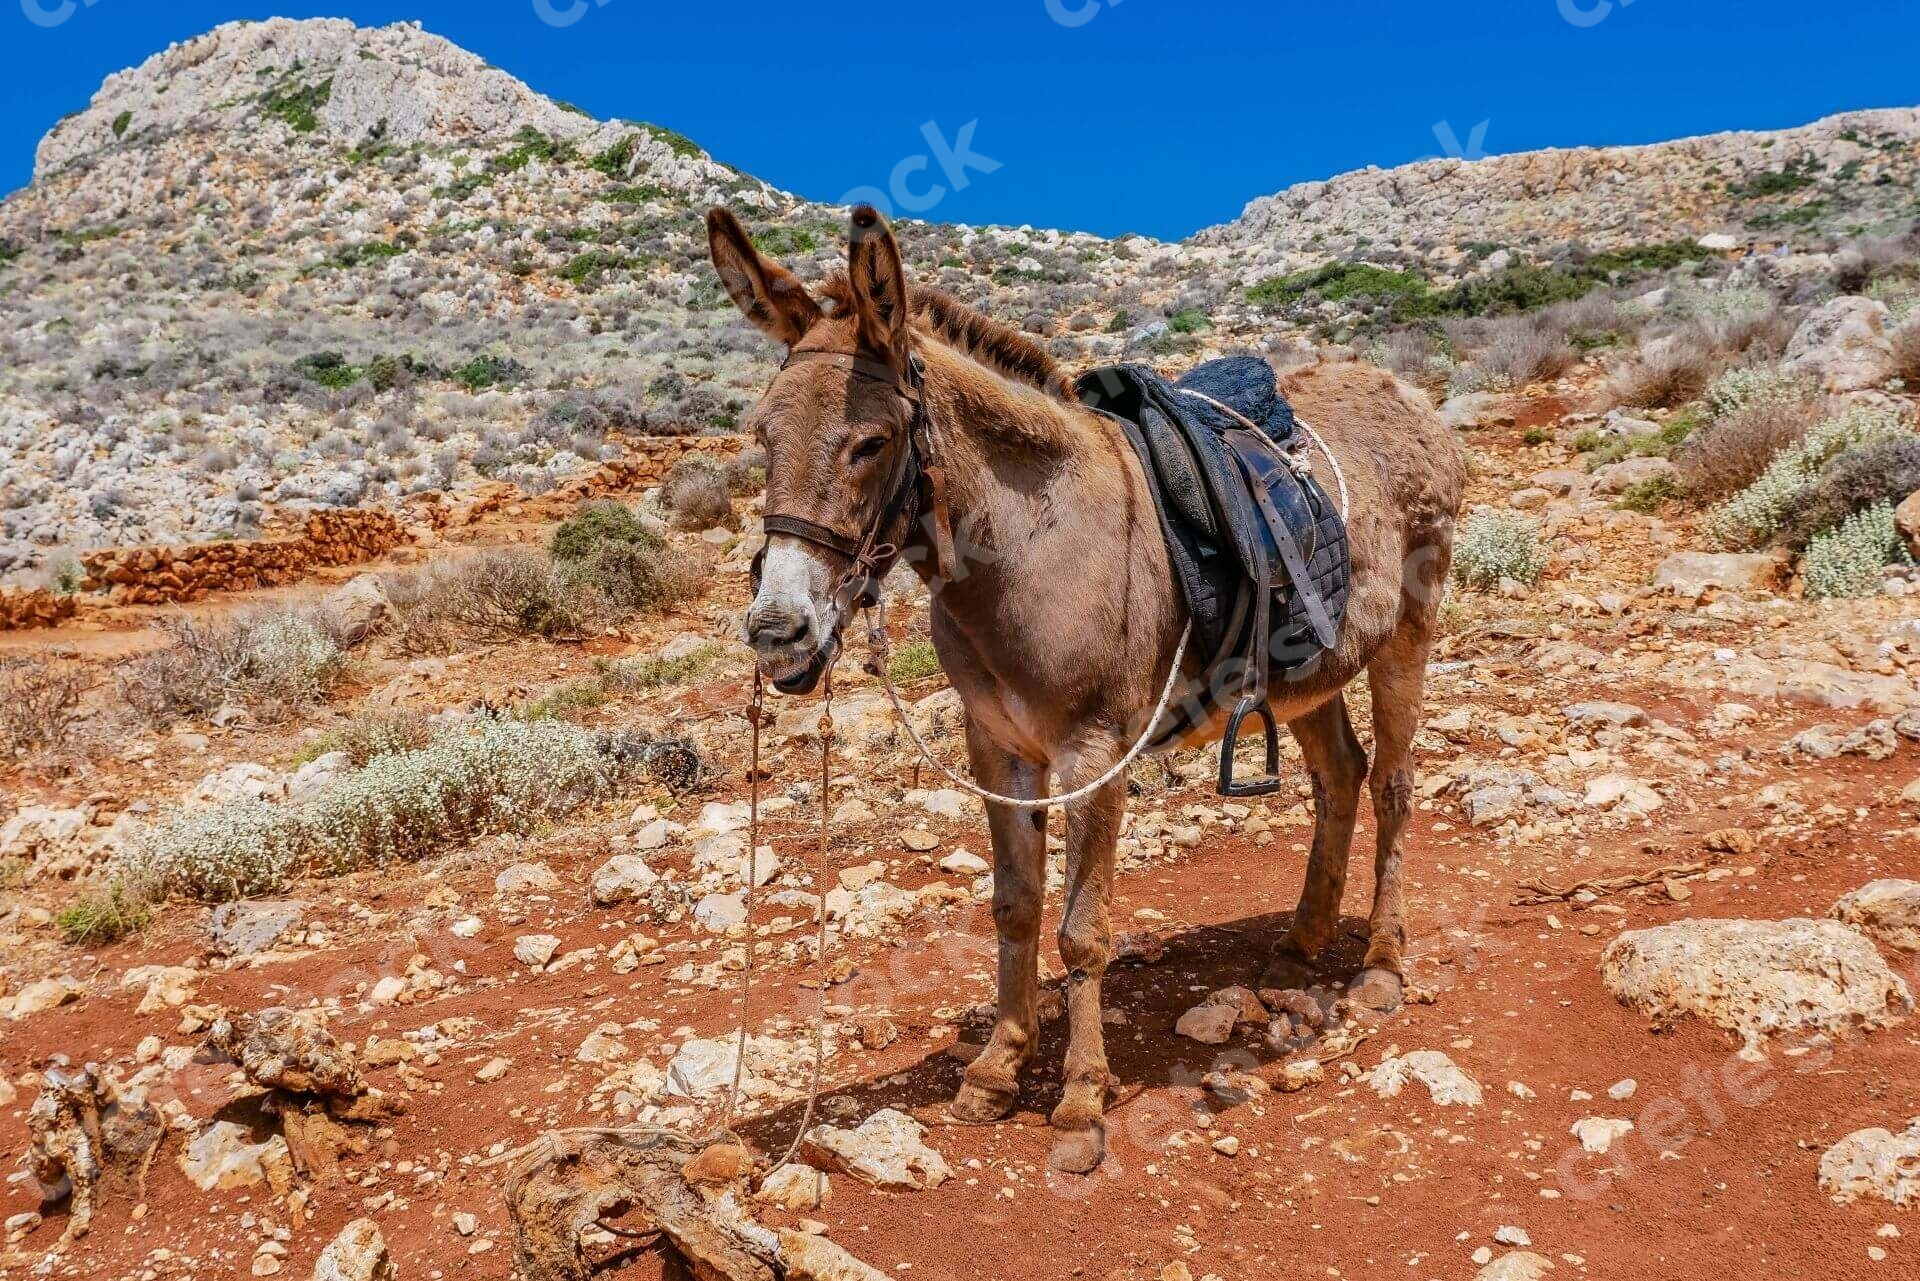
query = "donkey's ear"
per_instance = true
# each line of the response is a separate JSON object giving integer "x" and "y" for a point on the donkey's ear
{"x": 879, "y": 286}
{"x": 767, "y": 293}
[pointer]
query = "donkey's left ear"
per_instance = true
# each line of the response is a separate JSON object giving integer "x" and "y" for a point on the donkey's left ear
{"x": 879, "y": 287}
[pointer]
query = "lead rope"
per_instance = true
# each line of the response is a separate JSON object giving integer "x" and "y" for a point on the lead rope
{"x": 756, "y": 715}
{"x": 878, "y": 648}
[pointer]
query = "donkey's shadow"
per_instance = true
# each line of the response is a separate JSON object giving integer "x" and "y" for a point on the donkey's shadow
{"x": 1143, "y": 1052}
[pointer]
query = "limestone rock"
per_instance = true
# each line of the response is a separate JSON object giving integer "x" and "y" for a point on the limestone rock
{"x": 1756, "y": 978}
{"x": 1521, "y": 1265}
{"x": 359, "y": 1253}
{"x": 888, "y": 1149}
{"x": 1844, "y": 344}
{"x": 1691, "y": 573}
{"x": 795, "y": 1186}
{"x": 526, "y": 878}
{"x": 624, "y": 878}
{"x": 248, "y": 929}
{"x": 1886, "y": 910}
{"x": 1874, "y": 1163}
{"x": 222, "y": 1157}
{"x": 1444, "y": 1080}
{"x": 1597, "y": 1133}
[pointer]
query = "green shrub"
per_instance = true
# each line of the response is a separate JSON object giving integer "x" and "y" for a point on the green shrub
{"x": 487, "y": 371}
{"x": 1496, "y": 545}
{"x": 585, "y": 267}
{"x": 1847, "y": 561}
{"x": 1344, "y": 282}
{"x": 913, "y": 662}
{"x": 1190, "y": 320}
{"x": 1519, "y": 287}
{"x": 1752, "y": 516}
{"x": 102, "y": 918}
{"x": 632, "y": 195}
{"x": 784, "y": 242}
{"x": 120, "y": 123}
{"x": 656, "y": 672}
{"x": 1649, "y": 496}
{"x": 298, "y": 105}
{"x": 633, "y": 566}
{"x": 582, "y": 534}
{"x": 615, "y": 160}
{"x": 329, "y": 369}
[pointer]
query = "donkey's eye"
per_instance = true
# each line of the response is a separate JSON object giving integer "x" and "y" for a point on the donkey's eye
{"x": 869, "y": 448}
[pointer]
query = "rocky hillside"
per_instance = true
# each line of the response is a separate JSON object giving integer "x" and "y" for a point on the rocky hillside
{"x": 289, "y": 265}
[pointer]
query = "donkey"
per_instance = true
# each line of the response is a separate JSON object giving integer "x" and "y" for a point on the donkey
{"x": 1060, "y": 630}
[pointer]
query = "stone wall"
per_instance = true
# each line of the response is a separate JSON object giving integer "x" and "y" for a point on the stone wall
{"x": 25, "y": 607}
{"x": 159, "y": 575}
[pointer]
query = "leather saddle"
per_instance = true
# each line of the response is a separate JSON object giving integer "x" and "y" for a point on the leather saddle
{"x": 1258, "y": 547}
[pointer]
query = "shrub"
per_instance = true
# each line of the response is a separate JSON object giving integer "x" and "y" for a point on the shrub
{"x": 1759, "y": 386}
{"x": 1520, "y": 287}
{"x": 1752, "y": 516}
{"x": 1906, "y": 354}
{"x": 368, "y": 734}
{"x": 914, "y": 662}
{"x": 656, "y": 672}
{"x": 1522, "y": 352}
{"x": 1732, "y": 452}
{"x": 1847, "y": 561}
{"x": 1883, "y": 472}
{"x": 238, "y": 849}
{"x": 39, "y": 702}
{"x": 275, "y": 662}
{"x": 1649, "y": 496}
{"x": 102, "y": 918}
{"x": 633, "y": 566}
{"x": 1496, "y": 545}
{"x": 697, "y": 494}
{"x": 298, "y": 105}
{"x": 747, "y": 472}
{"x": 494, "y": 597}
{"x": 1666, "y": 373}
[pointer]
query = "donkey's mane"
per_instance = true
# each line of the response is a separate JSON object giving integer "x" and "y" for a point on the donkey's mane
{"x": 999, "y": 347}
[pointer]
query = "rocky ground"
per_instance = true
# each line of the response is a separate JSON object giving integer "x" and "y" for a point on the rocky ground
{"x": 1586, "y": 1081}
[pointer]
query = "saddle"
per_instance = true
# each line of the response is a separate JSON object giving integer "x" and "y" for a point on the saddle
{"x": 1258, "y": 548}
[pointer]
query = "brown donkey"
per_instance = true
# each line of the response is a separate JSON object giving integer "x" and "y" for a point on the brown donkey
{"x": 1059, "y": 630}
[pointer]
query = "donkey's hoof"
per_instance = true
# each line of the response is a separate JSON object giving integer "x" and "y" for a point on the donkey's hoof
{"x": 1079, "y": 1151}
{"x": 1287, "y": 971}
{"x": 1377, "y": 989}
{"x": 982, "y": 1105}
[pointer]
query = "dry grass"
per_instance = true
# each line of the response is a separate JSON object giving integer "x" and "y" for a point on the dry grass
{"x": 39, "y": 702}
{"x": 492, "y": 598}
{"x": 273, "y": 662}
{"x": 1724, "y": 457}
{"x": 1906, "y": 353}
{"x": 1668, "y": 372}
{"x": 1523, "y": 352}
{"x": 697, "y": 494}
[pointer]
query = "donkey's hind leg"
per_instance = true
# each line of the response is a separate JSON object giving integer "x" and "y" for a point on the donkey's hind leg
{"x": 1338, "y": 765}
{"x": 1397, "y": 678}
{"x": 1019, "y": 892}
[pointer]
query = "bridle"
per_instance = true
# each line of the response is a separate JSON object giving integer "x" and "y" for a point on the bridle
{"x": 915, "y": 490}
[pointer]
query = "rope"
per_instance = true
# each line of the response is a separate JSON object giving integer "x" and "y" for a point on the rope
{"x": 1338, "y": 475}
{"x": 876, "y": 637}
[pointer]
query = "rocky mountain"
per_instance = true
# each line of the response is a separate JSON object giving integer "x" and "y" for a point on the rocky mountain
{"x": 299, "y": 264}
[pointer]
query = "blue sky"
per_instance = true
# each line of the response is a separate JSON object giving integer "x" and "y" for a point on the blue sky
{"x": 1158, "y": 116}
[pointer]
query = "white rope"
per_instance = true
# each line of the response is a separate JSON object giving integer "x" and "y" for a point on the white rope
{"x": 1045, "y": 802}
{"x": 1338, "y": 475}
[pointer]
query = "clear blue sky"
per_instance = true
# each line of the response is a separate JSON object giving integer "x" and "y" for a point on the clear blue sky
{"x": 1159, "y": 116}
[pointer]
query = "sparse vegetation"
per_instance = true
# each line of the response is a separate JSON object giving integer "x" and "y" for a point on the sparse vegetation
{"x": 1731, "y": 452}
{"x": 1493, "y": 546}
{"x": 298, "y": 105}
{"x": 368, "y": 734}
{"x": 39, "y": 703}
{"x": 272, "y": 662}
{"x": 104, "y": 917}
{"x": 657, "y": 672}
{"x": 632, "y": 565}
{"x": 1752, "y": 517}
{"x": 914, "y": 661}
{"x": 697, "y": 493}
{"x": 1847, "y": 560}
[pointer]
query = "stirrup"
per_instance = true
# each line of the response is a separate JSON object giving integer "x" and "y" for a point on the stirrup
{"x": 1254, "y": 703}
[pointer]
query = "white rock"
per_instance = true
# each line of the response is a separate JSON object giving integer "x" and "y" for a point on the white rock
{"x": 947, "y": 803}
{"x": 795, "y": 1186}
{"x": 888, "y": 1149}
{"x": 964, "y": 863}
{"x": 1444, "y": 1081}
{"x": 45, "y": 994}
{"x": 359, "y": 1253}
{"x": 535, "y": 950}
{"x": 163, "y": 987}
{"x": 1887, "y": 911}
{"x": 602, "y": 1045}
{"x": 1508, "y": 1235}
{"x": 1596, "y": 1135}
{"x": 656, "y": 834}
{"x": 222, "y": 1157}
{"x": 1521, "y": 1265}
{"x": 624, "y": 878}
{"x": 1874, "y": 1163}
{"x": 1756, "y": 978}
{"x": 719, "y": 913}
{"x": 701, "y": 1068}
{"x": 1844, "y": 344}
{"x": 526, "y": 878}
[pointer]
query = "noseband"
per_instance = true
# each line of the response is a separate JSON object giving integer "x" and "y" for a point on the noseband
{"x": 917, "y": 487}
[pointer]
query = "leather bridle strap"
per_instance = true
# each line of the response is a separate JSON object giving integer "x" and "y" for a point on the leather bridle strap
{"x": 871, "y": 557}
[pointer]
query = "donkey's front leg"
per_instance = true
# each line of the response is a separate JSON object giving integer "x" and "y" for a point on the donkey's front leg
{"x": 1086, "y": 946}
{"x": 1019, "y": 893}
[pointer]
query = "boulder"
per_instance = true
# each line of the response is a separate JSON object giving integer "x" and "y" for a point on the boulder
{"x": 796, "y": 1187}
{"x": 1844, "y": 344}
{"x": 358, "y": 610}
{"x": 1756, "y": 978}
{"x": 701, "y": 1068}
{"x": 222, "y": 1157}
{"x": 1906, "y": 518}
{"x": 1692, "y": 573}
{"x": 1887, "y": 911}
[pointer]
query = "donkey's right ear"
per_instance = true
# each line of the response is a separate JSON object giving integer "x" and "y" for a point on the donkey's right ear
{"x": 768, "y": 294}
